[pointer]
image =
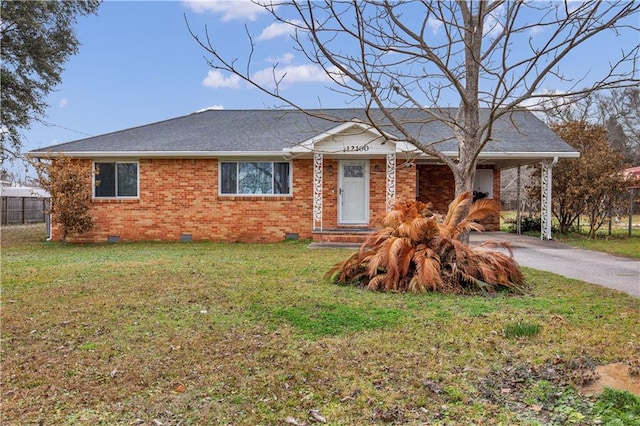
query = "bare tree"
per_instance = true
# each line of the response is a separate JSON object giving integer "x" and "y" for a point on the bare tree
{"x": 616, "y": 110}
{"x": 490, "y": 57}
{"x": 593, "y": 184}
{"x": 620, "y": 114}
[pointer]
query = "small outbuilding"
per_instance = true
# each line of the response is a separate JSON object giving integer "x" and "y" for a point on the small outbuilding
{"x": 23, "y": 204}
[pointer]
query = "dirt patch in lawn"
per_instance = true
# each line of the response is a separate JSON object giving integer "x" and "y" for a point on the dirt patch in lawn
{"x": 616, "y": 376}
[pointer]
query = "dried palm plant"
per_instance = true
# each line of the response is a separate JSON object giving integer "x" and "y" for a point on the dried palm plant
{"x": 417, "y": 250}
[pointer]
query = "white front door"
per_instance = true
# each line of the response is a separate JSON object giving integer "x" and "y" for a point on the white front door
{"x": 353, "y": 198}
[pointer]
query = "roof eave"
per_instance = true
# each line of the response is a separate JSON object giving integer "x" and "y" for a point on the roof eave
{"x": 501, "y": 155}
{"x": 526, "y": 155}
{"x": 155, "y": 154}
{"x": 284, "y": 153}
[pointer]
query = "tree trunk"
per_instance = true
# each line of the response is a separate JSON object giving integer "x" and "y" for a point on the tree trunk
{"x": 464, "y": 177}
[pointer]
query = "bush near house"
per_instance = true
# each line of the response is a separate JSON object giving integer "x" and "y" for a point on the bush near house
{"x": 69, "y": 184}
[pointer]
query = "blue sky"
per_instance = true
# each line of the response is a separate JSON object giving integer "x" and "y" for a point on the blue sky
{"x": 138, "y": 64}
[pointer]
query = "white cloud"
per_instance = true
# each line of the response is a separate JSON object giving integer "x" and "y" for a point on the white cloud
{"x": 435, "y": 25}
{"x": 493, "y": 26}
{"x": 338, "y": 75}
{"x": 229, "y": 9}
{"x": 216, "y": 80}
{"x": 573, "y": 5}
{"x": 536, "y": 29}
{"x": 210, "y": 108}
{"x": 278, "y": 29}
{"x": 287, "y": 58}
{"x": 63, "y": 102}
{"x": 544, "y": 100}
{"x": 291, "y": 74}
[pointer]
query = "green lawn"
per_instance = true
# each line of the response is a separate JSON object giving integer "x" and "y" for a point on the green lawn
{"x": 618, "y": 243}
{"x": 204, "y": 333}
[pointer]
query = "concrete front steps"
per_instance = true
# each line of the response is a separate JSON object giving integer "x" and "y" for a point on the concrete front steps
{"x": 340, "y": 237}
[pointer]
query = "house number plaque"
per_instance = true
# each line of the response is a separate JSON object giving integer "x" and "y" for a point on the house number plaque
{"x": 356, "y": 148}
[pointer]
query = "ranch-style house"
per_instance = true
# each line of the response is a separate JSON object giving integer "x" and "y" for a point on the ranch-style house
{"x": 268, "y": 175}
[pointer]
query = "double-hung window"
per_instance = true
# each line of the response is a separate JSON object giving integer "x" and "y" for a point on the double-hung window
{"x": 116, "y": 180}
{"x": 255, "y": 177}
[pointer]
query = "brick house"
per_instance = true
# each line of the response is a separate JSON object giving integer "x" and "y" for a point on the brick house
{"x": 267, "y": 175}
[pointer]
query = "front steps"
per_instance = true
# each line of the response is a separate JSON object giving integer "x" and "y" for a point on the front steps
{"x": 345, "y": 237}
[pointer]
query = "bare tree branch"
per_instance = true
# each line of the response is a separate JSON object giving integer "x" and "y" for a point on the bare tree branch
{"x": 493, "y": 55}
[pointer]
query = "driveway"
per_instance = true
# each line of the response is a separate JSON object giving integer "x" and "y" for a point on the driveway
{"x": 615, "y": 272}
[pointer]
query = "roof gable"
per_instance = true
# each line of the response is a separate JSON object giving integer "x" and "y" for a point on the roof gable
{"x": 351, "y": 136}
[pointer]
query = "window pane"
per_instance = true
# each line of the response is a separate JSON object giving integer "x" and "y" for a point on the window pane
{"x": 127, "y": 179}
{"x": 281, "y": 178}
{"x": 255, "y": 178}
{"x": 105, "y": 180}
{"x": 229, "y": 178}
{"x": 355, "y": 171}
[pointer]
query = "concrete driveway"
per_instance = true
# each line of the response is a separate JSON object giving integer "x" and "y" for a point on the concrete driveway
{"x": 618, "y": 273}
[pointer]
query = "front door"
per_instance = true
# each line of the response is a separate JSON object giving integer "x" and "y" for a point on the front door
{"x": 353, "y": 198}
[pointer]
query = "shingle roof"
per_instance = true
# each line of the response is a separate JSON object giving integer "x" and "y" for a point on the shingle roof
{"x": 219, "y": 131}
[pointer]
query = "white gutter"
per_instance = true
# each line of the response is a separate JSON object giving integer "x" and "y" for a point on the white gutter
{"x": 285, "y": 152}
{"x": 516, "y": 155}
{"x": 501, "y": 155}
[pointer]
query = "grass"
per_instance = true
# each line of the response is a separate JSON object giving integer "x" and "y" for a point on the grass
{"x": 618, "y": 243}
{"x": 205, "y": 333}
{"x": 521, "y": 329}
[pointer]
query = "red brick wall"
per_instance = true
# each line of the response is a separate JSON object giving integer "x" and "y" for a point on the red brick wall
{"x": 406, "y": 181}
{"x": 377, "y": 187}
{"x": 180, "y": 196}
{"x": 331, "y": 171}
{"x": 436, "y": 185}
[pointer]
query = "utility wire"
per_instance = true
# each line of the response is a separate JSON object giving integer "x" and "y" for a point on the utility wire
{"x": 47, "y": 123}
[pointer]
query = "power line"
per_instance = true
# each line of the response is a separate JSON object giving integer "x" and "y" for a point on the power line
{"x": 47, "y": 123}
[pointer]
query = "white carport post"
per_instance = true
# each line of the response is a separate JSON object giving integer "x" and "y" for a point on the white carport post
{"x": 519, "y": 203}
{"x": 391, "y": 181}
{"x": 317, "y": 191}
{"x": 545, "y": 192}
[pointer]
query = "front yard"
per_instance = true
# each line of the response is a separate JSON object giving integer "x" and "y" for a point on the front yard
{"x": 619, "y": 243}
{"x": 204, "y": 333}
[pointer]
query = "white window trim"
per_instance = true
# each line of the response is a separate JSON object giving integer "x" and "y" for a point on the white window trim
{"x": 221, "y": 194}
{"x": 93, "y": 179}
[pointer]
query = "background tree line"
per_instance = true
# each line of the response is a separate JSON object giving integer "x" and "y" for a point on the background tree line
{"x": 605, "y": 128}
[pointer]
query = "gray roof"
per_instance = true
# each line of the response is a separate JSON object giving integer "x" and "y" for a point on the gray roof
{"x": 220, "y": 131}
